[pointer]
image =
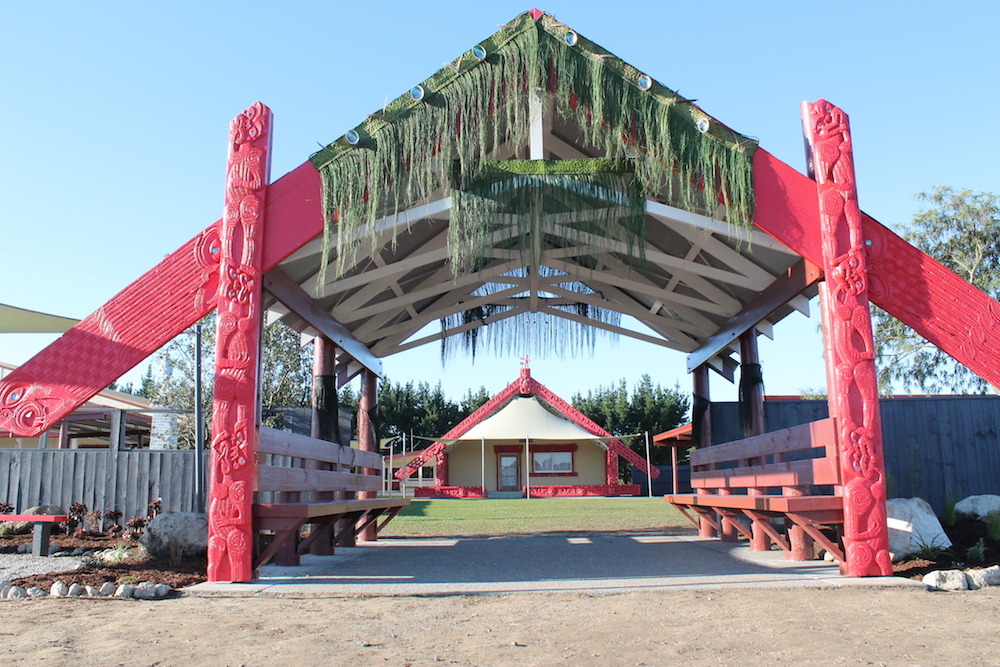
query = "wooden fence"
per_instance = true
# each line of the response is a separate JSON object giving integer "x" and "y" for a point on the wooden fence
{"x": 114, "y": 478}
{"x": 936, "y": 448}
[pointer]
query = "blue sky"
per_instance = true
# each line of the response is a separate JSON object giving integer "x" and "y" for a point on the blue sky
{"x": 115, "y": 118}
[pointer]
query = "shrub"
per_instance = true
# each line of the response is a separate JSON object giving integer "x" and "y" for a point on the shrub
{"x": 932, "y": 551}
{"x": 949, "y": 516}
{"x": 977, "y": 552}
{"x": 993, "y": 526}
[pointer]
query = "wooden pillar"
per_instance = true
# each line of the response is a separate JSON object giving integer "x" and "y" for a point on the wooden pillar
{"x": 752, "y": 405}
{"x": 325, "y": 425}
{"x": 236, "y": 406}
{"x": 850, "y": 349}
{"x": 702, "y": 427}
{"x": 367, "y": 440}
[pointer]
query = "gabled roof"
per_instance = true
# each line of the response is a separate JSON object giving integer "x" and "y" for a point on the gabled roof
{"x": 525, "y": 387}
{"x": 646, "y": 204}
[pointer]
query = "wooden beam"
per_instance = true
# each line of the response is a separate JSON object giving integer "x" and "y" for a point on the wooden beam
{"x": 609, "y": 327}
{"x": 295, "y": 298}
{"x": 752, "y": 238}
{"x": 386, "y": 351}
{"x": 781, "y": 291}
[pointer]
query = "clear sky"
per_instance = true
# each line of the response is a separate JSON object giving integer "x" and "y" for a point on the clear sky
{"x": 115, "y": 120}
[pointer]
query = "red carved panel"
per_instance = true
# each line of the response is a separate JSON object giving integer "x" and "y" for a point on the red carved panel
{"x": 237, "y": 352}
{"x": 131, "y": 326}
{"x": 902, "y": 280}
{"x": 849, "y": 342}
{"x": 570, "y": 490}
{"x": 937, "y": 303}
{"x": 147, "y": 314}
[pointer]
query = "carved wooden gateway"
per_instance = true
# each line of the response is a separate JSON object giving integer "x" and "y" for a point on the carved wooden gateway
{"x": 530, "y": 193}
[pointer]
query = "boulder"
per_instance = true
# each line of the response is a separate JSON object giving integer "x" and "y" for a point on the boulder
{"x": 176, "y": 535}
{"x": 946, "y": 580}
{"x": 59, "y": 589}
{"x": 92, "y": 592}
{"x": 162, "y": 590}
{"x": 913, "y": 527}
{"x": 35, "y": 592}
{"x": 24, "y": 527}
{"x": 124, "y": 591}
{"x": 76, "y": 590}
{"x": 145, "y": 591}
{"x": 984, "y": 577}
{"x": 17, "y": 592}
{"x": 979, "y": 507}
{"x": 107, "y": 589}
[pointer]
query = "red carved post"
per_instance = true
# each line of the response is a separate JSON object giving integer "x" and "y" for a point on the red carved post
{"x": 850, "y": 347}
{"x": 366, "y": 435}
{"x": 235, "y": 412}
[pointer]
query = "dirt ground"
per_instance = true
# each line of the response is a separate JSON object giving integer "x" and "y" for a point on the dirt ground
{"x": 850, "y": 626}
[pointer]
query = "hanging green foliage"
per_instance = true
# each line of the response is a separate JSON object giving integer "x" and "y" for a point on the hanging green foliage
{"x": 530, "y": 205}
{"x": 411, "y": 150}
{"x": 508, "y": 327}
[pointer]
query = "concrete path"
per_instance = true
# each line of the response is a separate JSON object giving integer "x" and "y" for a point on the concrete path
{"x": 599, "y": 563}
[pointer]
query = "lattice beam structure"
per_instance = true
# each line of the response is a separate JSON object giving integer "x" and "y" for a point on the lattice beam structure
{"x": 850, "y": 348}
{"x": 236, "y": 408}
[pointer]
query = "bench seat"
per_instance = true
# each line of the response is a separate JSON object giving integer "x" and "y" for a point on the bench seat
{"x": 735, "y": 483}
{"x": 307, "y": 481}
{"x": 41, "y": 531}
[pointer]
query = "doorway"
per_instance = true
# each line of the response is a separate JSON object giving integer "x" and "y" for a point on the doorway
{"x": 508, "y": 472}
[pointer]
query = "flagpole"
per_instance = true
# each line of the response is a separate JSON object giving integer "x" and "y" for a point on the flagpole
{"x": 483, "y": 459}
{"x": 527, "y": 479}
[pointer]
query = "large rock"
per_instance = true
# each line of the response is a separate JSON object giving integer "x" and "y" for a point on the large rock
{"x": 984, "y": 577}
{"x": 176, "y": 535}
{"x": 947, "y": 580}
{"x": 23, "y": 527}
{"x": 979, "y": 507}
{"x": 913, "y": 527}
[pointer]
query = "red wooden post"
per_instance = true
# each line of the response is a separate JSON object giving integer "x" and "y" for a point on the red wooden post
{"x": 325, "y": 425}
{"x": 702, "y": 424}
{"x": 236, "y": 408}
{"x": 848, "y": 341}
{"x": 367, "y": 441}
{"x": 752, "y": 393}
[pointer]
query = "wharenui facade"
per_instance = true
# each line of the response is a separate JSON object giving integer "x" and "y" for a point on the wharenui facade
{"x": 533, "y": 191}
{"x": 528, "y": 441}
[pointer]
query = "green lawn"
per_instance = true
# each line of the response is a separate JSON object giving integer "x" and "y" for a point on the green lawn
{"x": 477, "y": 517}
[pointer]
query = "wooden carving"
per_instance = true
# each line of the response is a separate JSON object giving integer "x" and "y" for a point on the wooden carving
{"x": 139, "y": 320}
{"x": 849, "y": 342}
{"x": 235, "y": 420}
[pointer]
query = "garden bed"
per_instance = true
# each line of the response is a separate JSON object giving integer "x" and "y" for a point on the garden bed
{"x": 965, "y": 535}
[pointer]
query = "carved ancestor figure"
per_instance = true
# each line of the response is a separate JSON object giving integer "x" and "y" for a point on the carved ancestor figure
{"x": 849, "y": 344}
{"x": 235, "y": 410}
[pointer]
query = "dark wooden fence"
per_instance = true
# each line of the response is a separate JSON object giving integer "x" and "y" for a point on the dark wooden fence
{"x": 936, "y": 448}
{"x": 114, "y": 478}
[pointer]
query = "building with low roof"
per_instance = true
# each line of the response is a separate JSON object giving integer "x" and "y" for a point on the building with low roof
{"x": 526, "y": 441}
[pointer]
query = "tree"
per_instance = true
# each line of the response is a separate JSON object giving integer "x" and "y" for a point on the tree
{"x": 286, "y": 376}
{"x": 650, "y": 408}
{"x": 961, "y": 230}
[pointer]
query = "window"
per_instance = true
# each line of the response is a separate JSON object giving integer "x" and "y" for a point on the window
{"x": 553, "y": 462}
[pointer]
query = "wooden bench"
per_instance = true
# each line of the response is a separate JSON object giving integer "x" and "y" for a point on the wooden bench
{"x": 770, "y": 476}
{"x": 41, "y": 530}
{"x": 306, "y": 481}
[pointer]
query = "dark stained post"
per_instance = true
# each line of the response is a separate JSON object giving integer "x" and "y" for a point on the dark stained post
{"x": 752, "y": 415}
{"x": 848, "y": 341}
{"x": 701, "y": 421}
{"x": 366, "y": 436}
{"x": 324, "y": 426}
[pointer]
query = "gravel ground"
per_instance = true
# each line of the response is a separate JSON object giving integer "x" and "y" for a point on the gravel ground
{"x": 14, "y": 566}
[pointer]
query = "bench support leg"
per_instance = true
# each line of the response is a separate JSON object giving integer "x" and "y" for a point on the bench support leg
{"x": 729, "y": 529}
{"x": 40, "y": 539}
{"x": 800, "y": 541}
